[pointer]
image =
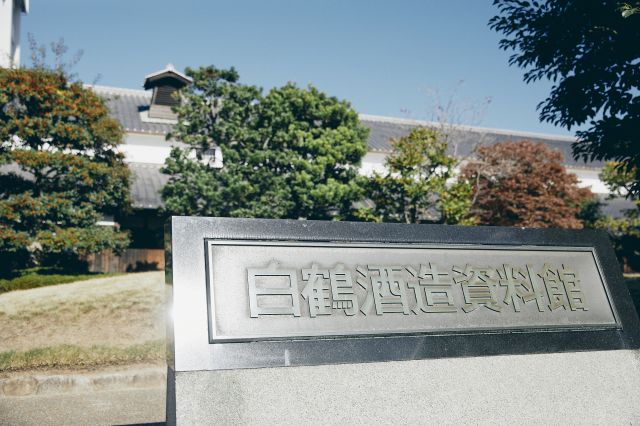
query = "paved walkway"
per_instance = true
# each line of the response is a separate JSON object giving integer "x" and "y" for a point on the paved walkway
{"x": 129, "y": 395}
{"x": 108, "y": 407}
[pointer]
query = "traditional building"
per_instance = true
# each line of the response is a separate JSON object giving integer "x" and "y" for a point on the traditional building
{"x": 147, "y": 118}
{"x": 10, "y": 14}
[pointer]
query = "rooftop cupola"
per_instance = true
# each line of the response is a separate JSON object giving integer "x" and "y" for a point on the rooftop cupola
{"x": 165, "y": 85}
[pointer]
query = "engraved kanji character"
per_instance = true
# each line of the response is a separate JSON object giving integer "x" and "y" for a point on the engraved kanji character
{"x": 273, "y": 291}
{"x": 554, "y": 286}
{"x": 563, "y": 288}
{"x": 317, "y": 292}
{"x": 519, "y": 286}
{"x": 478, "y": 287}
{"x": 386, "y": 289}
{"x": 342, "y": 290}
{"x": 573, "y": 288}
{"x": 433, "y": 290}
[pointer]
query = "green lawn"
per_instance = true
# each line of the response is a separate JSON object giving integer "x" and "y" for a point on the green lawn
{"x": 74, "y": 356}
{"x": 100, "y": 321}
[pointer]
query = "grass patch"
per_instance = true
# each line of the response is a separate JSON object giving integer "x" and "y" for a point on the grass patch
{"x": 63, "y": 356}
{"x": 35, "y": 280}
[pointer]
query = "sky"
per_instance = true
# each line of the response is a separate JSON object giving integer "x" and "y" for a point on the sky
{"x": 397, "y": 58}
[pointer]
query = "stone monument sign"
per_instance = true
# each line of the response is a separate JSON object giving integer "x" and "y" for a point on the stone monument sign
{"x": 351, "y": 299}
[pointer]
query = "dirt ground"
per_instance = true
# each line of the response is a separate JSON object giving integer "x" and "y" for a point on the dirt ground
{"x": 115, "y": 311}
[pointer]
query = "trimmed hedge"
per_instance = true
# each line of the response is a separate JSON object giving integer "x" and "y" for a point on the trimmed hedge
{"x": 35, "y": 280}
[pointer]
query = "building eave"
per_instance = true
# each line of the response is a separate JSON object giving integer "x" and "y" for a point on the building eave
{"x": 461, "y": 127}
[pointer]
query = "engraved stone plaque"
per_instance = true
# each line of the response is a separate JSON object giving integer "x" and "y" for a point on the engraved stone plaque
{"x": 257, "y": 293}
{"x": 269, "y": 290}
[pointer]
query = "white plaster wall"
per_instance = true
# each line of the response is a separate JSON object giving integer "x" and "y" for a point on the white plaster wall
{"x": 6, "y": 32}
{"x": 145, "y": 154}
{"x": 154, "y": 149}
{"x": 590, "y": 179}
{"x": 150, "y": 149}
{"x": 372, "y": 162}
{"x": 587, "y": 178}
{"x": 15, "y": 35}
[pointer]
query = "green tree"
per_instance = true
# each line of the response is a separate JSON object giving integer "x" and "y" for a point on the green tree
{"x": 60, "y": 170}
{"x": 624, "y": 231}
{"x": 590, "y": 51}
{"x": 524, "y": 184}
{"x": 627, "y": 9}
{"x": 292, "y": 153}
{"x": 420, "y": 184}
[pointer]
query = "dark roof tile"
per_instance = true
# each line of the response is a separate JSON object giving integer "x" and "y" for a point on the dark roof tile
{"x": 147, "y": 183}
{"x": 463, "y": 139}
{"x": 127, "y": 105}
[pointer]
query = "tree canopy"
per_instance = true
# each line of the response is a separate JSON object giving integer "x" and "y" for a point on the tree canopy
{"x": 59, "y": 169}
{"x": 524, "y": 184}
{"x": 289, "y": 153}
{"x": 624, "y": 230}
{"x": 420, "y": 184}
{"x": 590, "y": 51}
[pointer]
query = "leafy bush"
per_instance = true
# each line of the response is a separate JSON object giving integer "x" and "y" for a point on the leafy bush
{"x": 419, "y": 185}
{"x": 61, "y": 170}
{"x": 35, "y": 280}
{"x": 624, "y": 231}
{"x": 524, "y": 184}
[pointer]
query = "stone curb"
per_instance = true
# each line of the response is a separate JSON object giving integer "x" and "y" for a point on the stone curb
{"x": 82, "y": 383}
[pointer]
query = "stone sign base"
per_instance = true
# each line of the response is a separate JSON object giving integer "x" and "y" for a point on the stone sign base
{"x": 601, "y": 387}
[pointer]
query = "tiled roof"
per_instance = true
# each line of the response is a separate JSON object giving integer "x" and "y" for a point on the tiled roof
{"x": 463, "y": 139}
{"x": 147, "y": 182}
{"x": 616, "y": 207}
{"x": 127, "y": 104}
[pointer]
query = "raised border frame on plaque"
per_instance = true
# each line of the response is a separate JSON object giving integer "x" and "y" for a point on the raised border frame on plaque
{"x": 197, "y": 342}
